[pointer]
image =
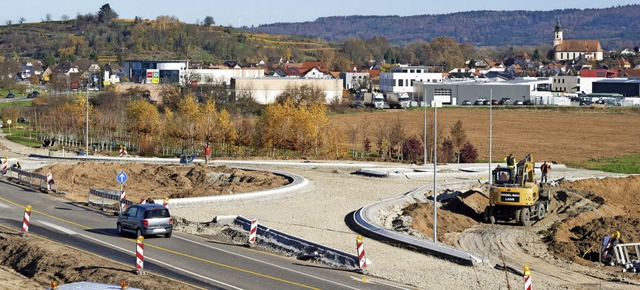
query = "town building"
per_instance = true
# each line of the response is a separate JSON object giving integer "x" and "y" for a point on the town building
{"x": 155, "y": 71}
{"x": 266, "y": 90}
{"x": 570, "y": 50}
{"x": 402, "y": 78}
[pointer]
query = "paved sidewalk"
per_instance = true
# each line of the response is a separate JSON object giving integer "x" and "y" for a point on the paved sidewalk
{"x": 12, "y": 149}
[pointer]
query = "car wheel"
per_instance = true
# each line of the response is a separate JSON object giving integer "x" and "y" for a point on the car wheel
{"x": 167, "y": 235}
{"x": 119, "y": 229}
{"x": 139, "y": 233}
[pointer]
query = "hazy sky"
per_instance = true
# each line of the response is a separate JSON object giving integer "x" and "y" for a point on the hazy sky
{"x": 244, "y": 12}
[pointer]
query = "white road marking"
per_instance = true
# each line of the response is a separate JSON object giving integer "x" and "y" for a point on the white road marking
{"x": 160, "y": 262}
{"x": 266, "y": 263}
{"x": 57, "y": 227}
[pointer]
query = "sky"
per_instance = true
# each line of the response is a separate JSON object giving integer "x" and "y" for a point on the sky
{"x": 247, "y": 13}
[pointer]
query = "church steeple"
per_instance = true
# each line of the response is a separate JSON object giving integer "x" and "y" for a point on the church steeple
{"x": 557, "y": 38}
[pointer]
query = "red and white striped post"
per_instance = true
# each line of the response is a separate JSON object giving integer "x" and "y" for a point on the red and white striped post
{"x": 140, "y": 255}
{"x": 527, "y": 278}
{"x": 165, "y": 203}
{"x": 25, "y": 220}
{"x": 123, "y": 197}
{"x": 49, "y": 180}
{"x": 362, "y": 260}
{"x": 120, "y": 152}
{"x": 252, "y": 232}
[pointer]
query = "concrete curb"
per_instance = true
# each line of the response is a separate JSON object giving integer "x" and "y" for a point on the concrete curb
{"x": 295, "y": 245}
{"x": 363, "y": 221}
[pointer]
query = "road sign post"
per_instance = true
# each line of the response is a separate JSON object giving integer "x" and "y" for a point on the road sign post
{"x": 121, "y": 178}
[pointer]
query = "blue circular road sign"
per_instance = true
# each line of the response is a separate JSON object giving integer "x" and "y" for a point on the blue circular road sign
{"x": 121, "y": 177}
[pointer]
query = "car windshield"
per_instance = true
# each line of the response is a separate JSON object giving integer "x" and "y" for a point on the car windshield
{"x": 156, "y": 213}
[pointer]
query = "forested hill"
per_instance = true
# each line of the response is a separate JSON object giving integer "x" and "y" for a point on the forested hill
{"x": 615, "y": 27}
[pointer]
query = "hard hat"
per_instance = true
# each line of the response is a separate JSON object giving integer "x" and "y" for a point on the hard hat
{"x": 617, "y": 234}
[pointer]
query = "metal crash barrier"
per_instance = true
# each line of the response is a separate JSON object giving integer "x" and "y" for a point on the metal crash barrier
{"x": 28, "y": 178}
{"x": 106, "y": 199}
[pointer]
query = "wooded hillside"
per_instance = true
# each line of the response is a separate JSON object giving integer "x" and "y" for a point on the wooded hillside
{"x": 615, "y": 27}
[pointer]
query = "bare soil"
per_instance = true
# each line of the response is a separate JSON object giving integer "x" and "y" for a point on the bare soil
{"x": 580, "y": 215}
{"x": 158, "y": 181}
{"x": 43, "y": 261}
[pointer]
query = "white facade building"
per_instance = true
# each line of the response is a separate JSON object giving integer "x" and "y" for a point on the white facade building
{"x": 219, "y": 76}
{"x": 266, "y": 90}
{"x": 402, "y": 78}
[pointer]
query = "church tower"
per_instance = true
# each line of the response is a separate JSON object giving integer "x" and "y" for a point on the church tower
{"x": 557, "y": 38}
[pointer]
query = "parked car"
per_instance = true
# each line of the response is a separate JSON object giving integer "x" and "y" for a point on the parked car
{"x": 466, "y": 103}
{"x": 33, "y": 94}
{"x": 145, "y": 219}
{"x": 585, "y": 103}
{"x": 486, "y": 102}
{"x": 527, "y": 102}
{"x": 517, "y": 103}
{"x": 504, "y": 101}
{"x": 495, "y": 102}
{"x": 479, "y": 102}
{"x": 10, "y": 95}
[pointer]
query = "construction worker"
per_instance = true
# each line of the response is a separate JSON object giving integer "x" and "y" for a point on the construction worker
{"x": 608, "y": 250}
{"x": 544, "y": 168}
{"x": 207, "y": 153}
{"x": 511, "y": 164}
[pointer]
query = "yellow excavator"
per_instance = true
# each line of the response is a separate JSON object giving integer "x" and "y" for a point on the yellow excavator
{"x": 514, "y": 195}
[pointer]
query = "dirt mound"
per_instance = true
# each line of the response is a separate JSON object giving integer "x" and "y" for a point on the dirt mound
{"x": 455, "y": 215}
{"x": 43, "y": 261}
{"x": 158, "y": 181}
{"x": 592, "y": 209}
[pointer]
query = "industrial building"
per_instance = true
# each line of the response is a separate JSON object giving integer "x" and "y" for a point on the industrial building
{"x": 455, "y": 93}
{"x": 623, "y": 86}
{"x": 265, "y": 90}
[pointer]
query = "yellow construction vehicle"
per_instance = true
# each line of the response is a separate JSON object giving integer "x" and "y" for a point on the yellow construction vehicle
{"x": 514, "y": 195}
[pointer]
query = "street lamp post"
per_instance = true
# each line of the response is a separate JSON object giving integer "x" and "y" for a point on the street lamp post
{"x": 490, "y": 129}
{"x": 435, "y": 161}
{"x": 86, "y": 150}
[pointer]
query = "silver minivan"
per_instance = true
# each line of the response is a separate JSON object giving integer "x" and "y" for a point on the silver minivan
{"x": 145, "y": 220}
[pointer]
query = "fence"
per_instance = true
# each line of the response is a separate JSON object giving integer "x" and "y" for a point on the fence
{"x": 106, "y": 199}
{"x": 28, "y": 178}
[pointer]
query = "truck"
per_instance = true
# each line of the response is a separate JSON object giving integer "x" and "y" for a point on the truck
{"x": 514, "y": 195}
{"x": 372, "y": 100}
{"x": 398, "y": 100}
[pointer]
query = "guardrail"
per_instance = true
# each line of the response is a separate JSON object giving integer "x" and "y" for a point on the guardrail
{"x": 108, "y": 198}
{"x": 361, "y": 221}
{"x": 28, "y": 178}
{"x": 295, "y": 245}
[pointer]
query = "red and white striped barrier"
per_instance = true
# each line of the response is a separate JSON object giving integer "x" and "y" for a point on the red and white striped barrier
{"x": 527, "y": 278}
{"x": 165, "y": 203}
{"x": 253, "y": 231}
{"x": 25, "y": 220}
{"x": 140, "y": 255}
{"x": 362, "y": 260}
{"x": 122, "y": 151}
{"x": 123, "y": 197}
{"x": 49, "y": 180}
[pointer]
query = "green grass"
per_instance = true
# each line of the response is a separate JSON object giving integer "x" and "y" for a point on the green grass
{"x": 25, "y": 103}
{"x": 628, "y": 164}
{"x": 17, "y": 138}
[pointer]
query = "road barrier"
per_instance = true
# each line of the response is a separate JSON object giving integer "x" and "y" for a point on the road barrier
{"x": 49, "y": 181}
{"x": 107, "y": 199}
{"x": 364, "y": 222}
{"x": 25, "y": 220}
{"x": 28, "y": 178}
{"x": 527, "y": 278}
{"x": 165, "y": 203}
{"x": 252, "y": 232}
{"x": 123, "y": 198}
{"x": 140, "y": 255}
{"x": 293, "y": 245}
{"x": 362, "y": 260}
{"x": 628, "y": 255}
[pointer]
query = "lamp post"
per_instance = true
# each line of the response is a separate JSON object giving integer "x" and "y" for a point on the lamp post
{"x": 86, "y": 150}
{"x": 435, "y": 161}
{"x": 490, "y": 129}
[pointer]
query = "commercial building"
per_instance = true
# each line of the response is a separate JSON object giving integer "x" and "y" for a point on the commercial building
{"x": 155, "y": 71}
{"x": 402, "y": 79}
{"x": 221, "y": 76}
{"x": 454, "y": 93}
{"x": 623, "y": 86}
{"x": 265, "y": 90}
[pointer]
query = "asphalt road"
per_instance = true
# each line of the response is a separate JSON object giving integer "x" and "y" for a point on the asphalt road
{"x": 196, "y": 261}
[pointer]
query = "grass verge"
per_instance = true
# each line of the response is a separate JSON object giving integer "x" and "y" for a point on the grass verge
{"x": 628, "y": 164}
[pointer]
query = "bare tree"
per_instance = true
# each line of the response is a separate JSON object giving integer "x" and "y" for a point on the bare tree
{"x": 21, "y": 20}
{"x": 47, "y": 17}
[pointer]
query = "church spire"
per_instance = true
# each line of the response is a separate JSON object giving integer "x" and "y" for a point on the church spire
{"x": 557, "y": 34}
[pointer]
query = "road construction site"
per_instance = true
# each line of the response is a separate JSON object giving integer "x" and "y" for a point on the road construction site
{"x": 586, "y": 205}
